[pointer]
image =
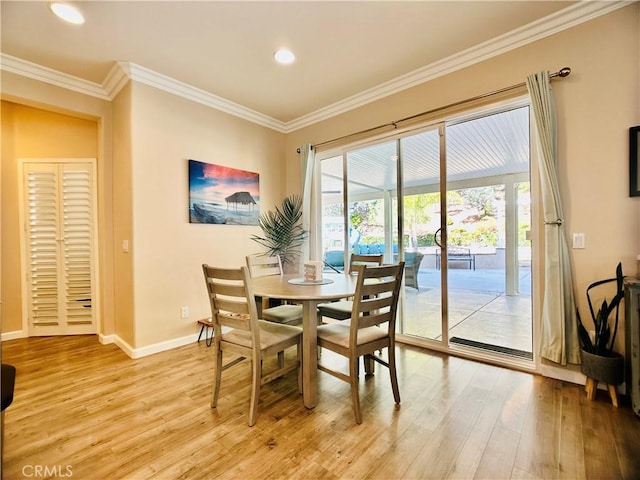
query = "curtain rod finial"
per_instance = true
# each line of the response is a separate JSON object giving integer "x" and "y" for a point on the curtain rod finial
{"x": 564, "y": 72}
{"x": 298, "y": 150}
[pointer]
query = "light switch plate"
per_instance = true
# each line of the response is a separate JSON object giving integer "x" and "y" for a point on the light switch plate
{"x": 578, "y": 240}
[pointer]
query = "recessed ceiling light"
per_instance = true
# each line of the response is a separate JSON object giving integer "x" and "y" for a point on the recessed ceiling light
{"x": 284, "y": 56}
{"x": 67, "y": 12}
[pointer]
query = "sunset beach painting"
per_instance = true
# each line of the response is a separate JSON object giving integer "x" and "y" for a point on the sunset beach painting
{"x": 223, "y": 195}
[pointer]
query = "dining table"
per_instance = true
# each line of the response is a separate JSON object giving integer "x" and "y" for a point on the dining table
{"x": 293, "y": 287}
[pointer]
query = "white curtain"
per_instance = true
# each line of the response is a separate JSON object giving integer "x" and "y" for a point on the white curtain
{"x": 559, "y": 340}
{"x": 309, "y": 207}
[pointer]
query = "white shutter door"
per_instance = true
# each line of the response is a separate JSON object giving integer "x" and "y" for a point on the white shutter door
{"x": 77, "y": 229}
{"x": 42, "y": 240}
{"x": 60, "y": 239}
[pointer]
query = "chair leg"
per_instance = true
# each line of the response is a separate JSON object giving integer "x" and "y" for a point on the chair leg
{"x": 393, "y": 374}
{"x": 256, "y": 374}
{"x": 369, "y": 365}
{"x": 217, "y": 376}
{"x": 355, "y": 397}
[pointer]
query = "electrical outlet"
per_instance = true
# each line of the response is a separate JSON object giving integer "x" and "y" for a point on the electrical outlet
{"x": 184, "y": 312}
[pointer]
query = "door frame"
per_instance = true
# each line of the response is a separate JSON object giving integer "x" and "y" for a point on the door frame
{"x": 441, "y": 123}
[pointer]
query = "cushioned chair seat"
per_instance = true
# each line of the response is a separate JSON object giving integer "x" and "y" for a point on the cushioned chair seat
{"x": 260, "y": 266}
{"x": 270, "y": 334}
{"x": 285, "y": 314}
{"x": 338, "y": 334}
{"x": 338, "y": 310}
{"x": 341, "y": 310}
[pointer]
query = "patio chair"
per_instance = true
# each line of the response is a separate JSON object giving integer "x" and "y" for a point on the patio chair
{"x": 371, "y": 328}
{"x": 233, "y": 307}
{"x": 262, "y": 266}
{"x": 412, "y": 268}
{"x": 341, "y": 310}
{"x": 334, "y": 260}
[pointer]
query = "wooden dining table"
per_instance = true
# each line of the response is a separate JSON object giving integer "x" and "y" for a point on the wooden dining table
{"x": 291, "y": 287}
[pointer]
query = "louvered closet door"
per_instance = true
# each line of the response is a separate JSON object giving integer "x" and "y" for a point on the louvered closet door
{"x": 59, "y": 226}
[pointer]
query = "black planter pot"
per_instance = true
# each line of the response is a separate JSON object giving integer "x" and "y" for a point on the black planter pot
{"x": 607, "y": 369}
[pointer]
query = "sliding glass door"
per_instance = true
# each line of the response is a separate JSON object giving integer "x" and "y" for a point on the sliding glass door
{"x": 488, "y": 223}
{"x": 453, "y": 201}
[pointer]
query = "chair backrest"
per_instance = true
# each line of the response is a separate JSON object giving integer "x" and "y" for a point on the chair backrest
{"x": 232, "y": 301}
{"x": 413, "y": 258}
{"x": 357, "y": 259}
{"x": 262, "y": 266}
{"x": 375, "y": 301}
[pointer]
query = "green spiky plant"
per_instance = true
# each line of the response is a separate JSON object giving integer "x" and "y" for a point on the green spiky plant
{"x": 283, "y": 234}
{"x": 604, "y": 339}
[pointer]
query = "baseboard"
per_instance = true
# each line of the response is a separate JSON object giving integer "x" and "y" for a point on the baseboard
{"x": 13, "y": 335}
{"x": 562, "y": 373}
{"x": 149, "y": 349}
{"x": 124, "y": 346}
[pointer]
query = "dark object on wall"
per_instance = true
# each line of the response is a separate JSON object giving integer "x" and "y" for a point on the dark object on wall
{"x": 634, "y": 160}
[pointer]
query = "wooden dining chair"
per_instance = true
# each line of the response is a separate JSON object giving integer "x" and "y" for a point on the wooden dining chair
{"x": 371, "y": 328}
{"x": 233, "y": 306}
{"x": 341, "y": 310}
{"x": 262, "y": 266}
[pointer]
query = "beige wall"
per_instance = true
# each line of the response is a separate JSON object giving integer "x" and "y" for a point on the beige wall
{"x": 124, "y": 319}
{"x": 596, "y": 105}
{"x": 167, "y": 250}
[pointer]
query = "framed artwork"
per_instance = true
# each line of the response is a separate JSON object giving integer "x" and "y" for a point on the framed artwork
{"x": 634, "y": 161}
{"x": 223, "y": 195}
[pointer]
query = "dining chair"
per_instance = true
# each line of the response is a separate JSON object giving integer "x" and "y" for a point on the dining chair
{"x": 371, "y": 328}
{"x": 262, "y": 266}
{"x": 233, "y": 307}
{"x": 341, "y": 310}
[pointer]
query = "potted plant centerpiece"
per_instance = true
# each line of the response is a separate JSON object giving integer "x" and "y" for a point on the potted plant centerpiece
{"x": 599, "y": 362}
{"x": 282, "y": 231}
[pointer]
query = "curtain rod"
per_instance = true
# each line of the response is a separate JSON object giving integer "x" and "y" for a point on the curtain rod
{"x": 563, "y": 72}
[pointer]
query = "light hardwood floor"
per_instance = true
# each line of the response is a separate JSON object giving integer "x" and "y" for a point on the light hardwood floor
{"x": 89, "y": 407}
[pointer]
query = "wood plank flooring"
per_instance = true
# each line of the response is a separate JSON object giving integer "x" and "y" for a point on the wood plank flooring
{"x": 89, "y": 410}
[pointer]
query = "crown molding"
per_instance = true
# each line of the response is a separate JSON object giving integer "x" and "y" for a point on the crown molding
{"x": 547, "y": 26}
{"x": 53, "y": 77}
{"x": 184, "y": 90}
{"x": 123, "y": 72}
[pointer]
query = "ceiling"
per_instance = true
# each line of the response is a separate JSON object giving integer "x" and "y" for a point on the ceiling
{"x": 348, "y": 53}
{"x": 481, "y": 151}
